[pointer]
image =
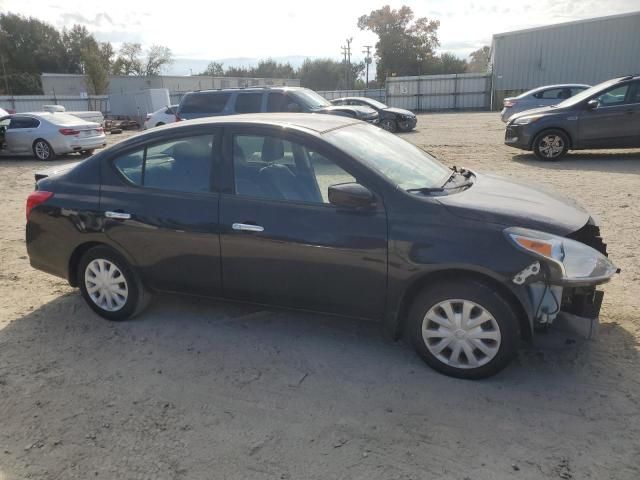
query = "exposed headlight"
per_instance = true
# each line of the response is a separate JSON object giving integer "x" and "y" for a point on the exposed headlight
{"x": 526, "y": 120}
{"x": 570, "y": 261}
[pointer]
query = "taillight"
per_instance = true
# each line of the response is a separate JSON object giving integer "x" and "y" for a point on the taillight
{"x": 69, "y": 131}
{"x": 36, "y": 198}
{"x": 508, "y": 103}
{"x": 100, "y": 130}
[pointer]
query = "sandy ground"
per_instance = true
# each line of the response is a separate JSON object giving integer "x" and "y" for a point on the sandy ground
{"x": 197, "y": 389}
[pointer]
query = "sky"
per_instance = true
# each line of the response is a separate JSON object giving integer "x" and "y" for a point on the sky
{"x": 199, "y": 31}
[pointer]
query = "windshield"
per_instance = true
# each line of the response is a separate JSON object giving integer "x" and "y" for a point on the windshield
{"x": 310, "y": 99}
{"x": 583, "y": 95}
{"x": 401, "y": 162}
{"x": 375, "y": 103}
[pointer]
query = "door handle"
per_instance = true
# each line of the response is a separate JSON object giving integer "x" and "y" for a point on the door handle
{"x": 118, "y": 215}
{"x": 246, "y": 227}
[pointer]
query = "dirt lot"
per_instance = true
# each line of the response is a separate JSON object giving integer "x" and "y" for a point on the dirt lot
{"x": 196, "y": 389}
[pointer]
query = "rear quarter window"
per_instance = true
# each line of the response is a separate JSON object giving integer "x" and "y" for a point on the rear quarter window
{"x": 205, "y": 102}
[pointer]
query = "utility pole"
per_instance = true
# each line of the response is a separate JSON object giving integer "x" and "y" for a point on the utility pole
{"x": 367, "y": 61}
{"x": 345, "y": 56}
{"x": 349, "y": 82}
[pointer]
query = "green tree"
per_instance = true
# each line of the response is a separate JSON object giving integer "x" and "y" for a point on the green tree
{"x": 75, "y": 41}
{"x": 321, "y": 74}
{"x": 479, "y": 60}
{"x": 28, "y": 47}
{"x": 214, "y": 69}
{"x": 95, "y": 68}
{"x": 444, "y": 64}
{"x": 405, "y": 45}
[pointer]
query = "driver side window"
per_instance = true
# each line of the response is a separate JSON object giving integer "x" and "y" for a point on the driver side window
{"x": 274, "y": 168}
{"x": 615, "y": 96}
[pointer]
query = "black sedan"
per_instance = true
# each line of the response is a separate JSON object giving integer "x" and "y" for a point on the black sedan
{"x": 604, "y": 116}
{"x": 390, "y": 118}
{"x": 324, "y": 213}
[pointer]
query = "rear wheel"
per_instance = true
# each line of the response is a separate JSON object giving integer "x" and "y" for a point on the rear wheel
{"x": 88, "y": 152}
{"x": 109, "y": 286}
{"x": 42, "y": 150}
{"x": 464, "y": 329}
{"x": 551, "y": 145}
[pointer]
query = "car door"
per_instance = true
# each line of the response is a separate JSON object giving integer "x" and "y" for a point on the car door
{"x": 160, "y": 205}
{"x": 612, "y": 123}
{"x": 20, "y": 133}
{"x": 282, "y": 242}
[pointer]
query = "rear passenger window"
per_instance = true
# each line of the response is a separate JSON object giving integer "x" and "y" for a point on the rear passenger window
{"x": 205, "y": 102}
{"x": 249, "y": 103}
{"x": 182, "y": 165}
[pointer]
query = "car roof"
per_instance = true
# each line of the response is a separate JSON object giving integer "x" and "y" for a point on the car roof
{"x": 247, "y": 89}
{"x": 315, "y": 122}
{"x": 560, "y": 85}
{"x": 57, "y": 118}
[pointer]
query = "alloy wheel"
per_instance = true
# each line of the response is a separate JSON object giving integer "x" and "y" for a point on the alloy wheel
{"x": 551, "y": 146}
{"x": 106, "y": 285}
{"x": 42, "y": 150}
{"x": 461, "y": 333}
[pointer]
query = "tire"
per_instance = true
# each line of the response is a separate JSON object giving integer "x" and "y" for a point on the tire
{"x": 159, "y": 124}
{"x": 43, "y": 150}
{"x": 404, "y": 126}
{"x": 389, "y": 124}
{"x": 551, "y": 145}
{"x": 88, "y": 152}
{"x": 495, "y": 341}
{"x": 125, "y": 299}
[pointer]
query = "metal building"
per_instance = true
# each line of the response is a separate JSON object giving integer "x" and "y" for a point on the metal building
{"x": 585, "y": 51}
{"x": 75, "y": 84}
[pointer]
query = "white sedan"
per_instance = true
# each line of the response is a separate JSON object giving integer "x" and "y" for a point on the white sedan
{"x": 48, "y": 134}
{"x": 161, "y": 117}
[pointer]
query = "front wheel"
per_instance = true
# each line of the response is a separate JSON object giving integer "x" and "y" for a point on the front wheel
{"x": 464, "y": 329}
{"x": 551, "y": 145}
{"x": 389, "y": 125}
{"x": 109, "y": 286}
{"x": 42, "y": 150}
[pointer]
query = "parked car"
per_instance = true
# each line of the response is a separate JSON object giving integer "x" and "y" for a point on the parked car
{"x": 94, "y": 116}
{"x": 161, "y": 117}
{"x": 390, "y": 118}
{"x": 230, "y": 101}
{"x": 324, "y": 213}
{"x": 539, "y": 97}
{"x": 604, "y": 116}
{"x": 48, "y": 134}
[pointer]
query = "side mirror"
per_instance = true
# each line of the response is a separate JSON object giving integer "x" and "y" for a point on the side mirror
{"x": 352, "y": 196}
{"x": 293, "y": 107}
{"x": 593, "y": 104}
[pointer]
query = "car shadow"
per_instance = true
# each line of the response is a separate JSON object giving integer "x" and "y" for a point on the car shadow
{"x": 193, "y": 371}
{"x": 609, "y": 161}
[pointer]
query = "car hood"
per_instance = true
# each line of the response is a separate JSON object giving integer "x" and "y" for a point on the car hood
{"x": 360, "y": 112}
{"x": 400, "y": 111}
{"x": 503, "y": 201}
{"x": 537, "y": 111}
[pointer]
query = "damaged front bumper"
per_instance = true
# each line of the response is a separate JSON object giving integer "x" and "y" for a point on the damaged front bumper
{"x": 557, "y": 296}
